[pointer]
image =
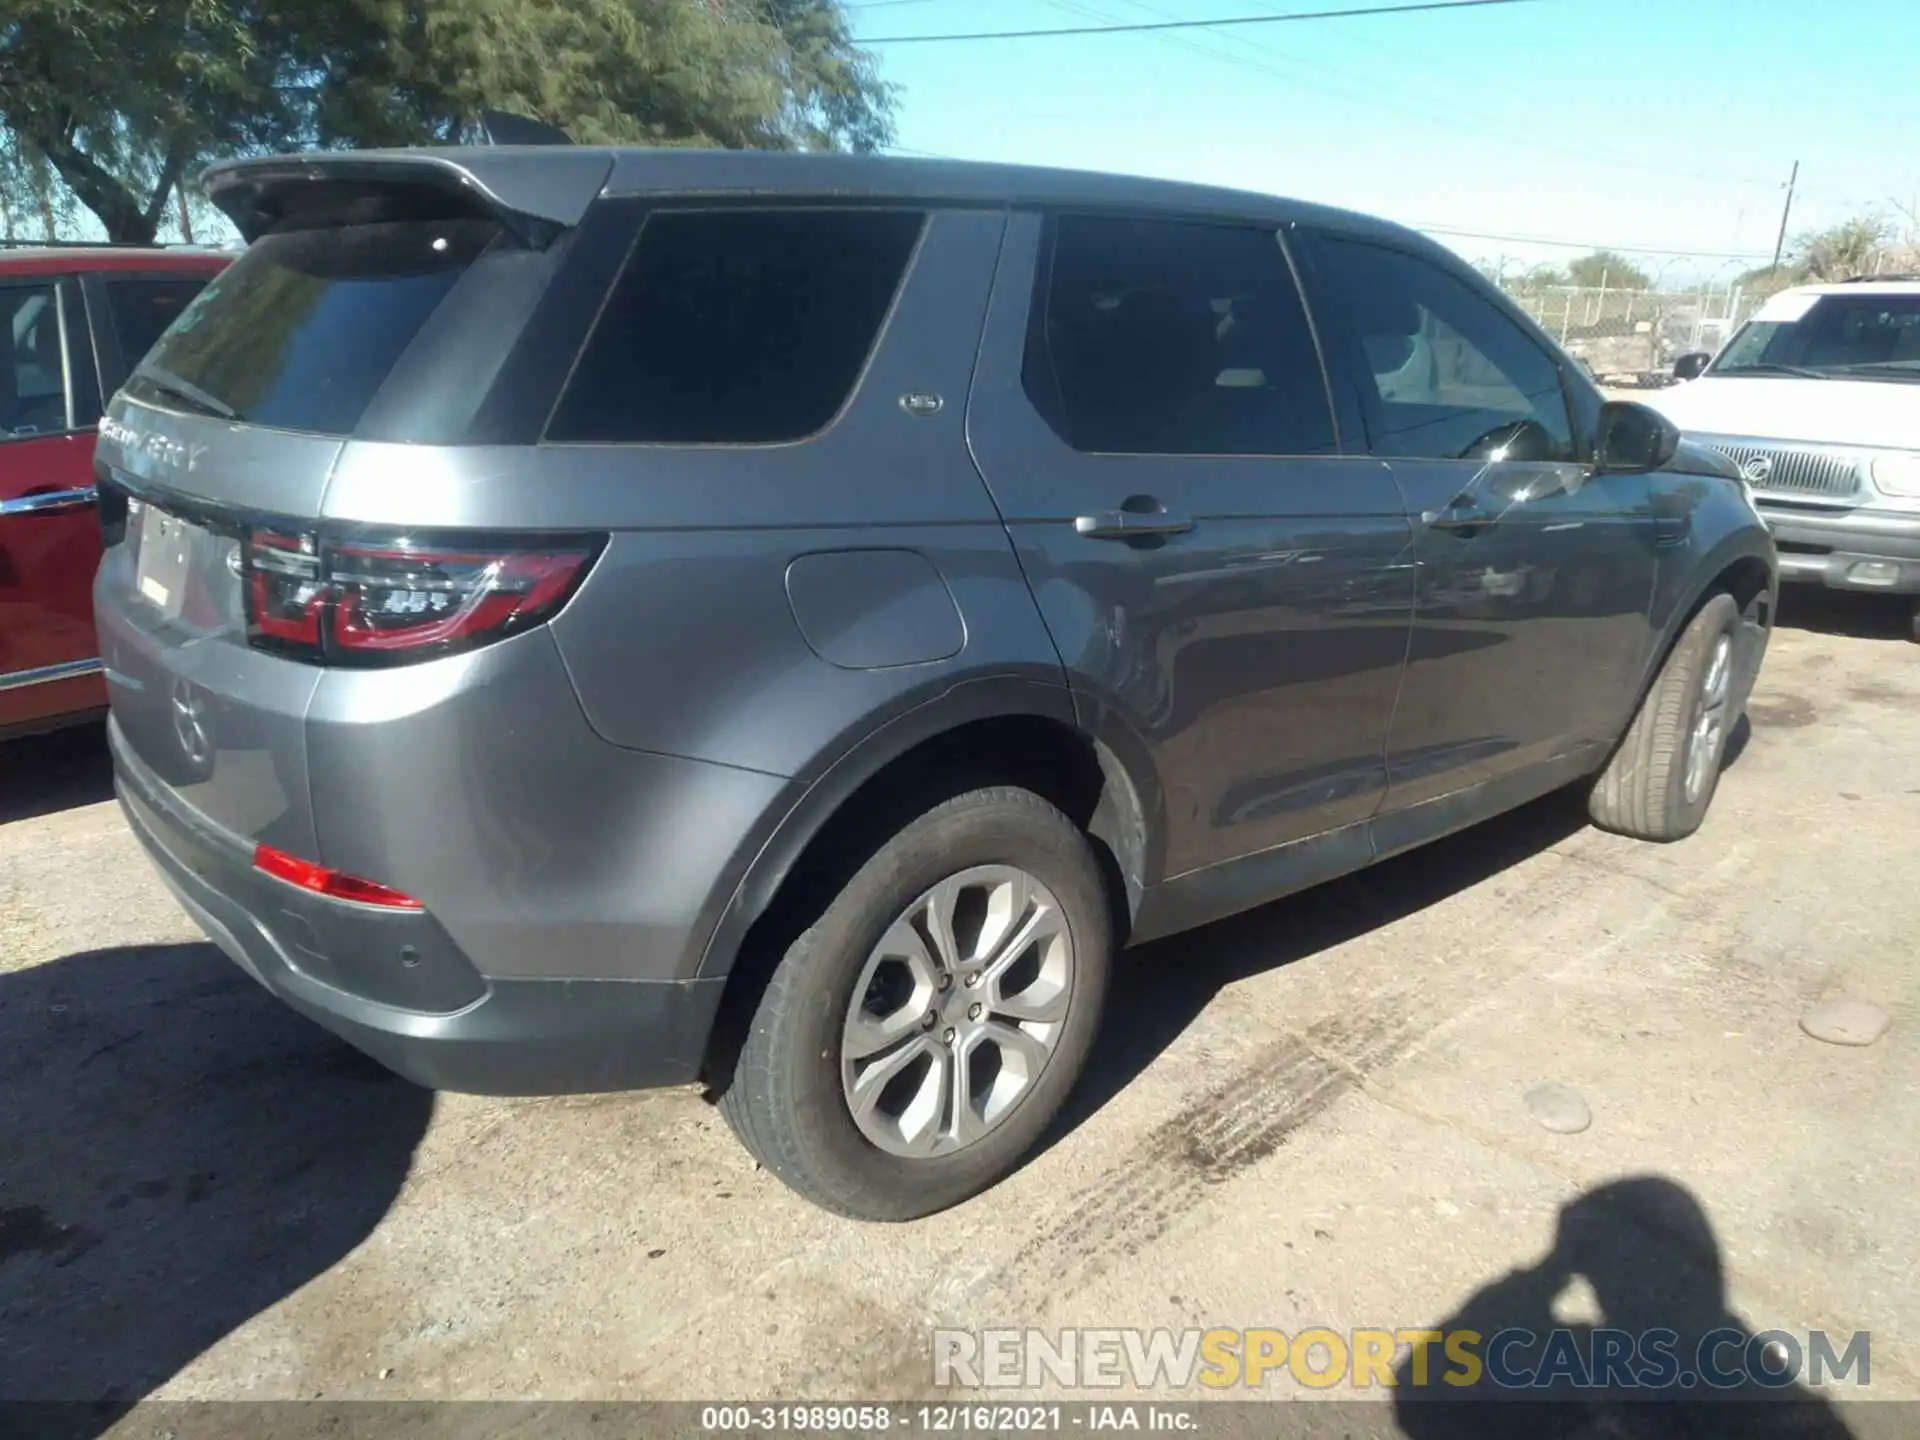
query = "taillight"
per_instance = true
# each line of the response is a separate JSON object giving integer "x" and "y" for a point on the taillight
{"x": 360, "y": 603}
{"x": 284, "y": 590}
{"x": 334, "y": 884}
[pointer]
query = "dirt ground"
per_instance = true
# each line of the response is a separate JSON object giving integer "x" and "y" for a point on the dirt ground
{"x": 1314, "y": 1114}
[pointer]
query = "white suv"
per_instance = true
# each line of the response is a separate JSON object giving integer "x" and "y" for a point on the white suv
{"x": 1817, "y": 400}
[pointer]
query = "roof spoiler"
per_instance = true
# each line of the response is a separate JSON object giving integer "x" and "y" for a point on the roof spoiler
{"x": 536, "y": 191}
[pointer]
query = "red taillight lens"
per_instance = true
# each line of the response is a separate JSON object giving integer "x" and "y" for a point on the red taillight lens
{"x": 373, "y": 604}
{"x": 332, "y": 883}
{"x": 284, "y": 588}
{"x": 388, "y": 599}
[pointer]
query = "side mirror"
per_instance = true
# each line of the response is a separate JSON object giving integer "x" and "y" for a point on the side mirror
{"x": 1690, "y": 365}
{"x": 1633, "y": 439}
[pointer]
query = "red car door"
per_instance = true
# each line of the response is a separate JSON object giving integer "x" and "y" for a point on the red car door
{"x": 49, "y": 533}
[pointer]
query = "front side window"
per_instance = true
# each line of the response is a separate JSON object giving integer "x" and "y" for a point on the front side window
{"x": 1855, "y": 337}
{"x": 1447, "y": 376}
{"x": 1157, "y": 337}
{"x": 33, "y": 369}
{"x": 736, "y": 326}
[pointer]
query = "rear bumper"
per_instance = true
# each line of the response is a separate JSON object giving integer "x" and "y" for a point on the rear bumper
{"x": 1847, "y": 550}
{"x": 437, "y": 1021}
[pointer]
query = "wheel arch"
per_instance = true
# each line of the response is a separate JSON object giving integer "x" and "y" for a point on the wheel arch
{"x": 1006, "y": 729}
{"x": 980, "y": 732}
{"x": 1742, "y": 566}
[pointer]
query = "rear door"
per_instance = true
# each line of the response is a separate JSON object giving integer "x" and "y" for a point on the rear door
{"x": 1535, "y": 575}
{"x": 1230, "y": 591}
{"x": 49, "y": 539}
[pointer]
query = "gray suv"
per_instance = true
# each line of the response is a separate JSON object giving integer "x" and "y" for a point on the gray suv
{"x": 580, "y": 619}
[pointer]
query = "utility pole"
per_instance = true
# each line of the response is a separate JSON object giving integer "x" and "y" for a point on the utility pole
{"x": 1780, "y": 243}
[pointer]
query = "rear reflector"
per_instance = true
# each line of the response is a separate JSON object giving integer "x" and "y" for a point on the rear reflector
{"x": 332, "y": 883}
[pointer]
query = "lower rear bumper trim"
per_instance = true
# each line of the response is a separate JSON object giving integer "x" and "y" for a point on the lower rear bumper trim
{"x": 519, "y": 1037}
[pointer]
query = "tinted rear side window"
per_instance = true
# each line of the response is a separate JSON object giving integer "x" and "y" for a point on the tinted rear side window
{"x": 737, "y": 327}
{"x": 143, "y": 309}
{"x": 301, "y": 331}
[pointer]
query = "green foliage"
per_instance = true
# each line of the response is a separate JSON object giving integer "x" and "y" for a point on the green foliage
{"x": 1859, "y": 246}
{"x": 121, "y": 98}
{"x": 1604, "y": 267}
{"x": 1849, "y": 248}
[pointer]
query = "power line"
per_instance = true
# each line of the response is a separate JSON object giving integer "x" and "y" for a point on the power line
{"x": 1444, "y": 112}
{"x": 1133, "y": 28}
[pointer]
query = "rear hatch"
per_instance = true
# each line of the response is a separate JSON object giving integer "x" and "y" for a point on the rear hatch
{"x": 381, "y": 297}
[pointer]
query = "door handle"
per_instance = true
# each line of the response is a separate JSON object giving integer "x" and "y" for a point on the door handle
{"x": 1130, "y": 524}
{"x": 1453, "y": 518}
{"x": 49, "y": 502}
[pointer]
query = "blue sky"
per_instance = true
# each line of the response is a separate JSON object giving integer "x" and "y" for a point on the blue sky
{"x": 1664, "y": 124}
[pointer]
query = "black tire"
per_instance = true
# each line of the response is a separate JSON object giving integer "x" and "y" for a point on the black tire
{"x": 785, "y": 1099}
{"x": 1642, "y": 792}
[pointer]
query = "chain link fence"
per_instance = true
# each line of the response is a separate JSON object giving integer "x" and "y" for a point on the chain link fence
{"x": 1632, "y": 337}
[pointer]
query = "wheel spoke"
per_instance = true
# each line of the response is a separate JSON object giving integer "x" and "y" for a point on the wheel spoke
{"x": 969, "y": 1124}
{"x": 1718, "y": 672}
{"x": 1041, "y": 923}
{"x": 1007, "y": 906}
{"x": 1017, "y": 1047}
{"x": 867, "y": 1032}
{"x": 1041, "y": 1002}
{"x": 917, "y": 1125}
{"x": 941, "y": 903}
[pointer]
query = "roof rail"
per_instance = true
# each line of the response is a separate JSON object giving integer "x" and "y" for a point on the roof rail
{"x": 1878, "y": 279}
{"x": 502, "y": 127}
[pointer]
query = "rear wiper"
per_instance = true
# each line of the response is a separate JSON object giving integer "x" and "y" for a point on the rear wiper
{"x": 1767, "y": 367}
{"x": 171, "y": 384}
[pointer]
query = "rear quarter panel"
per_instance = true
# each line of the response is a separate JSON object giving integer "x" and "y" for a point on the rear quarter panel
{"x": 684, "y": 640}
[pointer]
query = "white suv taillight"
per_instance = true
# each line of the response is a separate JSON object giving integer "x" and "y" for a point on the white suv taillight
{"x": 392, "y": 602}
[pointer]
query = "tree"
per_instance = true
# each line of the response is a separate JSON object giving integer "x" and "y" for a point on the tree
{"x": 1604, "y": 267}
{"x": 1849, "y": 248}
{"x": 1860, "y": 246}
{"x": 122, "y": 98}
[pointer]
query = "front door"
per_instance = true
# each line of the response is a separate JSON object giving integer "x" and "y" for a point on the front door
{"x": 49, "y": 534}
{"x": 1229, "y": 590}
{"x": 1535, "y": 575}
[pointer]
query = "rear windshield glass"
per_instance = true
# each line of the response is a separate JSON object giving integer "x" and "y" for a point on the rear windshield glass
{"x": 301, "y": 331}
{"x": 737, "y": 327}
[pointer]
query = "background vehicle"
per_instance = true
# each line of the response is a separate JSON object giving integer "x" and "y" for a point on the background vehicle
{"x": 580, "y": 618}
{"x": 73, "y": 320}
{"x": 1815, "y": 400}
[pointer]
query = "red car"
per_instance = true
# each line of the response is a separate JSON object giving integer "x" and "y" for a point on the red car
{"x": 73, "y": 321}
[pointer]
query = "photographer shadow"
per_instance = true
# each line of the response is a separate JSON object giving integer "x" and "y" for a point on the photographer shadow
{"x": 1646, "y": 1249}
{"x": 178, "y": 1152}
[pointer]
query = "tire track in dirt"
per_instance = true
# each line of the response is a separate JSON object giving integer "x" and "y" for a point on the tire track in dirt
{"x": 1214, "y": 1138}
{"x": 1291, "y": 1081}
